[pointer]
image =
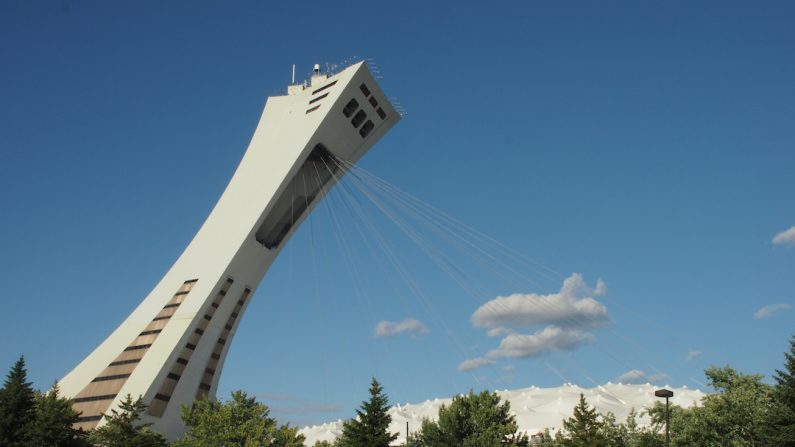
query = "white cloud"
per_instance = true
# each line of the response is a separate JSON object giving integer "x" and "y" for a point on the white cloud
{"x": 498, "y": 332}
{"x": 632, "y": 376}
{"x": 786, "y": 237}
{"x": 469, "y": 365}
{"x": 391, "y": 328}
{"x": 563, "y": 320}
{"x": 636, "y": 376}
{"x": 601, "y": 288}
{"x": 551, "y": 338}
{"x": 769, "y": 310}
{"x": 693, "y": 354}
{"x": 571, "y": 307}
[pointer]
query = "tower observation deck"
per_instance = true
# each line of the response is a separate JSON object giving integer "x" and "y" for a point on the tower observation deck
{"x": 171, "y": 349}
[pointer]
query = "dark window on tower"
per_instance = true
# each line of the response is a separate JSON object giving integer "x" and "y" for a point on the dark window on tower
{"x": 324, "y": 87}
{"x": 373, "y": 102}
{"x": 381, "y": 113}
{"x": 350, "y": 108}
{"x": 318, "y": 98}
{"x": 364, "y": 90}
{"x": 359, "y": 118}
{"x": 366, "y": 129}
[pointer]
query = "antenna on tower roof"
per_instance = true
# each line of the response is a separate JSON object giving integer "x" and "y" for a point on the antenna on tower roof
{"x": 293, "y": 81}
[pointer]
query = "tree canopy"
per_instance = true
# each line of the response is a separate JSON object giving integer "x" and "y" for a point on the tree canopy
{"x": 238, "y": 422}
{"x": 585, "y": 428}
{"x": 55, "y": 418}
{"x": 472, "y": 420}
{"x": 123, "y": 429}
{"x": 370, "y": 428}
{"x": 781, "y": 421}
{"x": 17, "y": 407}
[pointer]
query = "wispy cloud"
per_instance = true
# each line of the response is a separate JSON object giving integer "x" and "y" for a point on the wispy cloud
{"x": 570, "y": 307}
{"x": 471, "y": 364}
{"x": 635, "y": 376}
{"x": 498, "y": 331}
{"x": 786, "y": 237}
{"x": 551, "y": 338}
{"x": 392, "y": 328}
{"x": 692, "y": 355}
{"x": 770, "y": 310}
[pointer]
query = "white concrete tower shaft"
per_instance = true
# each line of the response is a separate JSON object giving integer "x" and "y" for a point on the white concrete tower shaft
{"x": 172, "y": 348}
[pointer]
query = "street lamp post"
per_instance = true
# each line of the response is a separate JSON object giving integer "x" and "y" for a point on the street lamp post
{"x": 666, "y": 394}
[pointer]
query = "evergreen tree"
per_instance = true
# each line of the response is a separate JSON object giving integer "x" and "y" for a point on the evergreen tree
{"x": 370, "y": 428}
{"x": 123, "y": 430}
{"x": 54, "y": 422}
{"x": 239, "y": 422}
{"x": 17, "y": 407}
{"x": 781, "y": 420}
{"x": 583, "y": 429}
{"x": 474, "y": 420}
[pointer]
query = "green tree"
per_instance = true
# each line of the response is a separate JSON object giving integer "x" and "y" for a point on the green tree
{"x": 122, "y": 428}
{"x": 54, "y": 422}
{"x": 781, "y": 420}
{"x": 584, "y": 428}
{"x": 473, "y": 420}
{"x": 17, "y": 407}
{"x": 239, "y": 422}
{"x": 370, "y": 428}
{"x": 733, "y": 416}
{"x": 548, "y": 440}
{"x": 634, "y": 436}
{"x": 323, "y": 444}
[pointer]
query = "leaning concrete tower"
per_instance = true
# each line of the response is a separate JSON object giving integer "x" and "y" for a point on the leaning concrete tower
{"x": 172, "y": 348}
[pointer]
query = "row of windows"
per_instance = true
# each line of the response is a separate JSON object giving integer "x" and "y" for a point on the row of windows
{"x": 158, "y": 406}
{"x": 329, "y": 85}
{"x": 114, "y": 377}
{"x": 95, "y": 398}
{"x": 125, "y": 362}
{"x": 358, "y": 118}
{"x": 360, "y": 115}
{"x": 212, "y": 362}
{"x": 138, "y": 347}
{"x": 373, "y": 102}
{"x": 314, "y": 100}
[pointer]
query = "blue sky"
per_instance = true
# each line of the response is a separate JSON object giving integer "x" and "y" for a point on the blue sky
{"x": 648, "y": 145}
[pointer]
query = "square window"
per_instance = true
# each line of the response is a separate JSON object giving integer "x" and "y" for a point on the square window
{"x": 350, "y": 108}
{"x": 364, "y": 90}
{"x": 366, "y": 129}
{"x": 359, "y": 118}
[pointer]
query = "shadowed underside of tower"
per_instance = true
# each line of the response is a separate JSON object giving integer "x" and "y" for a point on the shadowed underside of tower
{"x": 172, "y": 348}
